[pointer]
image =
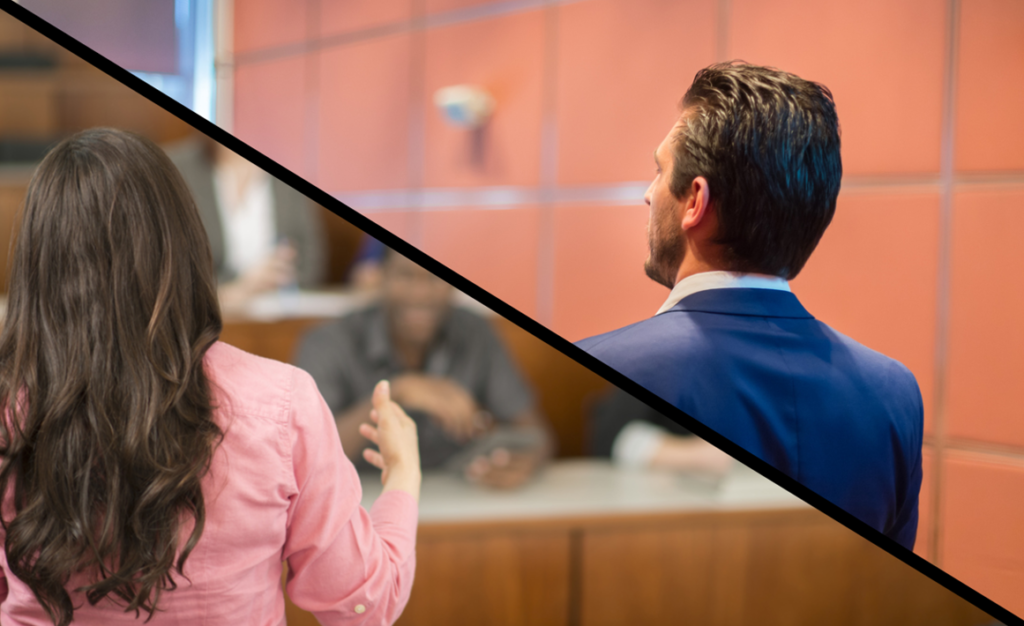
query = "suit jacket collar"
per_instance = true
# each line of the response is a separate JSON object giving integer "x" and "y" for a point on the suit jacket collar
{"x": 739, "y": 301}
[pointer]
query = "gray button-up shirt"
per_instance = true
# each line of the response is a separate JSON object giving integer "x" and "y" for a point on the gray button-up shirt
{"x": 348, "y": 356}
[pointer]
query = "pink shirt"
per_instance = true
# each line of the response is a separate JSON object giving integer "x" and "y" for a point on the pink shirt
{"x": 279, "y": 489}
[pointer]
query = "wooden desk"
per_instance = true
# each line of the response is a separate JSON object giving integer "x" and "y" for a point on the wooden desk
{"x": 588, "y": 544}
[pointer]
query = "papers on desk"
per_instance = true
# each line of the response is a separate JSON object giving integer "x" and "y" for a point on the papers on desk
{"x": 286, "y": 304}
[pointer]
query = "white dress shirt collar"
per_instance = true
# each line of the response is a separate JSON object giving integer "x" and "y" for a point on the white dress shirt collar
{"x": 720, "y": 280}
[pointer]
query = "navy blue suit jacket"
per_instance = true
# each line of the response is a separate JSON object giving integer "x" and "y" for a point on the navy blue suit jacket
{"x": 755, "y": 366}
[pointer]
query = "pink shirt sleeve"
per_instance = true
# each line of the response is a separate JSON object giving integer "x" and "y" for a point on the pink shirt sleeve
{"x": 346, "y": 566}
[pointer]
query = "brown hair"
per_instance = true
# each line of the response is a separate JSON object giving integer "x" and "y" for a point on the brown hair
{"x": 768, "y": 144}
{"x": 108, "y": 428}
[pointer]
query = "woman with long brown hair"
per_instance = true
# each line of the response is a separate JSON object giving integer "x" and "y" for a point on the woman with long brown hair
{"x": 148, "y": 470}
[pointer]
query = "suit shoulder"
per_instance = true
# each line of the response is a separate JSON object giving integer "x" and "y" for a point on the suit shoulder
{"x": 666, "y": 333}
{"x": 886, "y": 371}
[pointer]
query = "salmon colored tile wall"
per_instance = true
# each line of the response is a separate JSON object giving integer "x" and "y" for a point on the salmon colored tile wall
{"x": 599, "y": 283}
{"x": 341, "y": 17}
{"x": 543, "y": 206}
{"x": 881, "y": 233}
{"x": 983, "y": 491}
{"x": 986, "y": 337}
{"x": 496, "y": 246}
{"x": 991, "y": 94}
{"x": 505, "y": 56}
{"x": 365, "y": 130}
{"x": 274, "y": 90}
{"x": 262, "y": 25}
{"x": 621, "y": 61}
{"x": 882, "y": 60}
{"x": 434, "y": 7}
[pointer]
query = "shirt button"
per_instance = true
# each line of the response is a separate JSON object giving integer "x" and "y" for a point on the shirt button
{"x": 360, "y": 609}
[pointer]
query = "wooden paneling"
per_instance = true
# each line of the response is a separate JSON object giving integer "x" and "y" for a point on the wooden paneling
{"x": 499, "y": 579}
{"x": 271, "y": 340}
{"x": 504, "y": 579}
{"x": 44, "y": 103}
{"x": 28, "y": 104}
{"x": 343, "y": 241}
{"x": 12, "y": 194}
{"x": 15, "y": 38}
{"x": 89, "y": 98}
{"x": 713, "y": 568}
{"x": 293, "y": 615}
{"x": 810, "y": 571}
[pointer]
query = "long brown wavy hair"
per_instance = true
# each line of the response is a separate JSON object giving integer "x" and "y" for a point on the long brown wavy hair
{"x": 108, "y": 427}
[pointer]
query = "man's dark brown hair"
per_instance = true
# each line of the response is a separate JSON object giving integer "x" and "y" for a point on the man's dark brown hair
{"x": 768, "y": 144}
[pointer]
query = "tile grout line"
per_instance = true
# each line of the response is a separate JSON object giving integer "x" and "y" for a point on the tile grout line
{"x": 1002, "y": 451}
{"x": 224, "y": 64}
{"x": 943, "y": 295}
{"x": 625, "y": 193}
{"x": 545, "y": 293}
{"x": 417, "y": 120}
{"x": 420, "y": 20}
{"x": 311, "y": 108}
{"x": 722, "y": 42}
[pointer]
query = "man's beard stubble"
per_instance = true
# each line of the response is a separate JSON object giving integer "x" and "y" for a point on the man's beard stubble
{"x": 665, "y": 255}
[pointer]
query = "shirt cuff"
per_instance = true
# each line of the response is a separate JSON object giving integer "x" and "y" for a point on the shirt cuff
{"x": 395, "y": 515}
{"x": 636, "y": 444}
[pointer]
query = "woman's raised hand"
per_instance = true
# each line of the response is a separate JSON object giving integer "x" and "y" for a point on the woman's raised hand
{"x": 394, "y": 432}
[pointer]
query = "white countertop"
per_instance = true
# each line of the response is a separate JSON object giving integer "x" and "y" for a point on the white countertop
{"x": 577, "y": 487}
{"x": 278, "y": 305}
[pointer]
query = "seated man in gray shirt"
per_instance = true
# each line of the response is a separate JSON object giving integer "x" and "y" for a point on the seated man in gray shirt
{"x": 447, "y": 369}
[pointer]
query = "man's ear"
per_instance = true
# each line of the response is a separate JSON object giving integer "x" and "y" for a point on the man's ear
{"x": 696, "y": 204}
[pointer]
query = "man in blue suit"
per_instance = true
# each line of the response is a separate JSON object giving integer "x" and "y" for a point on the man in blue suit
{"x": 746, "y": 185}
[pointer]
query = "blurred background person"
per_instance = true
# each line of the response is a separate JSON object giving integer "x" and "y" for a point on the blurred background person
{"x": 633, "y": 434}
{"x": 264, "y": 235}
{"x": 447, "y": 368}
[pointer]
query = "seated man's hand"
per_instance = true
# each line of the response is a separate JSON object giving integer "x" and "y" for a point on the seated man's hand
{"x": 444, "y": 400}
{"x": 691, "y": 454}
{"x": 504, "y": 469}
